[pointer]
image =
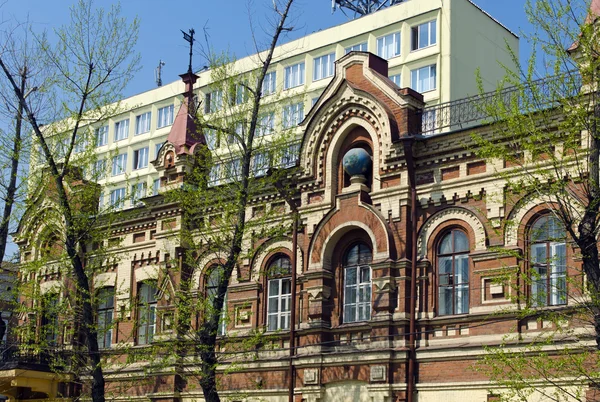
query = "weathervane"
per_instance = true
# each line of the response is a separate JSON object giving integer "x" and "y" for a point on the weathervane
{"x": 189, "y": 38}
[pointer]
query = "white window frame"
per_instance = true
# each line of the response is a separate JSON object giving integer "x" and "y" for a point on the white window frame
{"x": 283, "y": 310}
{"x": 213, "y": 101}
{"x": 359, "y": 47}
{"x": 157, "y": 148}
{"x": 155, "y": 186}
{"x": 142, "y": 123}
{"x": 232, "y": 170}
{"x": 417, "y": 32}
{"x": 266, "y": 124}
{"x": 269, "y": 85}
{"x": 214, "y": 176}
{"x": 396, "y": 79}
{"x": 117, "y": 197}
{"x": 138, "y": 191}
{"x": 359, "y": 286}
{"x": 121, "y": 130}
{"x": 389, "y": 43}
{"x": 101, "y": 136}
{"x": 415, "y": 78}
{"x": 294, "y": 75}
{"x": 165, "y": 116}
{"x": 260, "y": 163}
{"x": 289, "y": 156}
{"x": 140, "y": 158}
{"x": 119, "y": 164}
{"x": 292, "y": 115}
{"x": 323, "y": 66}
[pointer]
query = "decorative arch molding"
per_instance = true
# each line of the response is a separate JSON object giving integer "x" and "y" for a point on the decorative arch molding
{"x": 206, "y": 260}
{"x": 516, "y": 216}
{"x": 331, "y": 124}
{"x": 53, "y": 286}
{"x": 320, "y": 257}
{"x": 265, "y": 252}
{"x": 148, "y": 272}
{"x": 105, "y": 279}
{"x": 448, "y": 214}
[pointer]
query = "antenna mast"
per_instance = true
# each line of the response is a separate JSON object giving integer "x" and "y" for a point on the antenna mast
{"x": 158, "y": 73}
{"x": 362, "y": 7}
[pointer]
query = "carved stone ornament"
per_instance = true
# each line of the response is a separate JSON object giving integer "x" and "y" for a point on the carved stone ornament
{"x": 378, "y": 373}
{"x": 311, "y": 376}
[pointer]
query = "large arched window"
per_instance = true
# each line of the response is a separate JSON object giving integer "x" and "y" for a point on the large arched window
{"x": 548, "y": 262}
{"x": 106, "y": 306}
{"x": 146, "y": 312}
{"x": 212, "y": 281}
{"x": 453, "y": 273}
{"x": 280, "y": 293}
{"x": 357, "y": 283}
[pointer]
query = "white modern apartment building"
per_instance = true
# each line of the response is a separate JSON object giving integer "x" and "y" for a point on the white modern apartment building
{"x": 432, "y": 46}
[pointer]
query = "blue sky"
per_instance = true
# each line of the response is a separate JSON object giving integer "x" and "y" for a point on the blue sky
{"x": 228, "y": 24}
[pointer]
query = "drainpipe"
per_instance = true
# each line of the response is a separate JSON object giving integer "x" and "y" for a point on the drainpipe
{"x": 410, "y": 380}
{"x": 293, "y": 302}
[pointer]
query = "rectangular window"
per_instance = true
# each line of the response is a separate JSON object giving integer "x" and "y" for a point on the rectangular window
{"x": 155, "y": 186}
{"x": 293, "y": 114}
{"x": 388, "y": 46}
{"x": 140, "y": 158}
{"x": 395, "y": 79}
{"x": 266, "y": 124}
{"x": 117, "y": 198}
{"x": 142, "y": 123}
{"x": 280, "y": 296}
{"x": 294, "y": 76}
{"x": 361, "y": 47}
{"x": 106, "y": 306}
{"x": 314, "y": 101}
{"x": 138, "y": 191}
{"x": 423, "y": 79}
{"x": 423, "y": 35}
{"x": 213, "y": 101}
{"x": 214, "y": 176}
{"x": 357, "y": 293}
{"x": 81, "y": 144}
{"x": 241, "y": 93}
{"x": 260, "y": 164}
{"x": 212, "y": 139}
{"x": 165, "y": 116}
{"x": 323, "y": 66}
{"x": 146, "y": 310}
{"x": 121, "y": 130}
{"x": 157, "y": 148}
{"x": 269, "y": 83}
{"x": 290, "y": 156}
{"x": 101, "y": 134}
{"x": 119, "y": 164}
{"x": 233, "y": 170}
{"x": 99, "y": 169}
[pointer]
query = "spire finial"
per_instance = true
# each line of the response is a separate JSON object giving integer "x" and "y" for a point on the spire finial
{"x": 189, "y": 37}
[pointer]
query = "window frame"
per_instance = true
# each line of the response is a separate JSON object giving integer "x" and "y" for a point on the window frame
{"x": 142, "y": 123}
{"x": 165, "y": 116}
{"x": 323, "y": 66}
{"x": 104, "y": 316}
{"x": 117, "y": 197}
{"x": 119, "y": 164}
{"x": 454, "y": 285}
{"x": 359, "y": 286}
{"x": 294, "y": 75}
{"x": 145, "y": 330}
{"x": 382, "y": 44}
{"x": 101, "y": 133}
{"x": 121, "y": 130}
{"x": 140, "y": 158}
{"x": 269, "y": 85}
{"x": 282, "y": 313}
{"x": 210, "y": 287}
{"x": 359, "y": 46}
{"x": 415, "y": 79}
{"x": 415, "y": 35}
{"x": 292, "y": 115}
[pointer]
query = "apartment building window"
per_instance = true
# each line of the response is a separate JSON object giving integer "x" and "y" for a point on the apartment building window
{"x": 360, "y": 47}
{"x": 241, "y": 93}
{"x": 142, "y": 123}
{"x": 233, "y": 170}
{"x": 396, "y": 79}
{"x": 119, "y": 164}
{"x": 140, "y": 158}
{"x": 388, "y": 46}
{"x": 165, "y": 116}
{"x": 212, "y": 139}
{"x": 213, "y": 101}
{"x": 138, "y": 191}
{"x": 260, "y": 163}
{"x": 323, "y": 66}
{"x": 117, "y": 198}
{"x": 453, "y": 273}
{"x": 290, "y": 156}
{"x": 269, "y": 85}
{"x": 280, "y": 293}
{"x": 121, "y": 130}
{"x": 423, "y": 35}
{"x": 293, "y": 114}
{"x": 423, "y": 79}
{"x": 214, "y": 176}
{"x": 146, "y": 312}
{"x": 49, "y": 322}
{"x": 357, "y": 284}
{"x": 99, "y": 169}
{"x": 155, "y": 186}
{"x": 266, "y": 124}
{"x": 294, "y": 76}
{"x": 548, "y": 262}
{"x": 101, "y": 135}
{"x": 106, "y": 306}
{"x": 213, "y": 280}
{"x": 157, "y": 148}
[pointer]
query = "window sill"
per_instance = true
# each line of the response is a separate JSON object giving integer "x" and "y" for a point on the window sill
{"x": 423, "y": 48}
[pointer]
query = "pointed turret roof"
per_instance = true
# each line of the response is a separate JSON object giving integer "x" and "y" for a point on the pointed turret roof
{"x": 592, "y": 16}
{"x": 184, "y": 134}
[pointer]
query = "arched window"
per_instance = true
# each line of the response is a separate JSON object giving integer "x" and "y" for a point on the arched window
{"x": 280, "y": 293}
{"x": 357, "y": 283}
{"x": 106, "y": 306}
{"x": 548, "y": 262}
{"x": 453, "y": 273}
{"x": 146, "y": 312}
{"x": 212, "y": 281}
{"x": 49, "y": 324}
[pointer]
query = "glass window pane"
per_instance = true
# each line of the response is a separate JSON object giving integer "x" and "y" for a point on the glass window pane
{"x": 446, "y": 244}
{"x": 461, "y": 243}
{"x": 350, "y": 276}
{"x": 445, "y": 265}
